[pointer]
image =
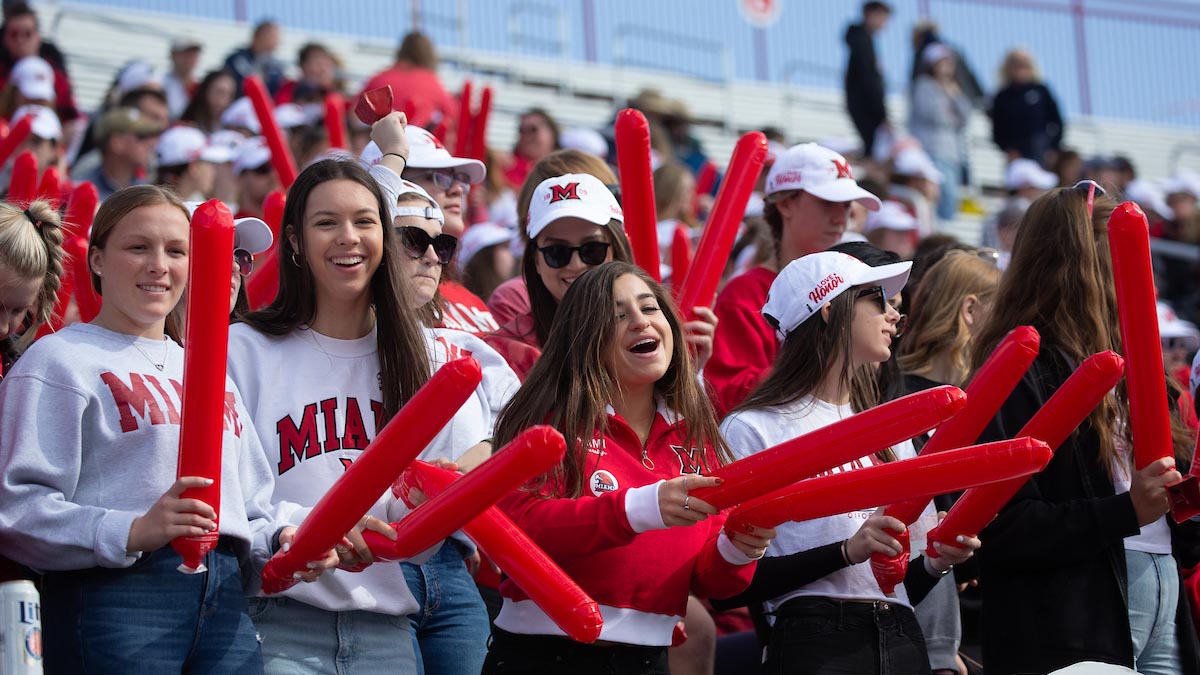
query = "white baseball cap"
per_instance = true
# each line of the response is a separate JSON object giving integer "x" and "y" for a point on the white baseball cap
{"x": 240, "y": 114}
{"x": 1171, "y": 326}
{"x": 45, "y": 122}
{"x": 137, "y": 74}
{"x": 250, "y": 234}
{"x": 1024, "y": 173}
{"x": 478, "y": 237}
{"x": 184, "y": 145}
{"x": 913, "y": 161}
{"x": 1149, "y": 195}
{"x": 807, "y": 283}
{"x": 890, "y": 216}
{"x": 33, "y": 76}
{"x": 251, "y": 154}
{"x": 431, "y": 210}
{"x": 427, "y": 152}
{"x": 584, "y": 140}
{"x": 819, "y": 171}
{"x": 934, "y": 52}
{"x": 578, "y": 195}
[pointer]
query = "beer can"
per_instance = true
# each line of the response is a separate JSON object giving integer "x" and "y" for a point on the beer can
{"x": 20, "y": 628}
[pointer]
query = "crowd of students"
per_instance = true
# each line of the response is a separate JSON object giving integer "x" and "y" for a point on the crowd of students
{"x": 396, "y": 257}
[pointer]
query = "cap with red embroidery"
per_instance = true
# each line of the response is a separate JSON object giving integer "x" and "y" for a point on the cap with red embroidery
{"x": 573, "y": 195}
{"x": 820, "y": 172}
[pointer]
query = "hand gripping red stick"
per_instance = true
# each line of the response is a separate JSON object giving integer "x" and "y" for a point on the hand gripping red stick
{"x": 904, "y": 479}
{"x": 833, "y": 445}
{"x": 632, "y": 133}
{"x": 394, "y": 448}
{"x": 281, "y": 155}
{"x": 16, "y": 136}
{"x": 204, "y": 350}
{"x": 462, "y": 134}
{"x": 681, "y": 257}
{"x": 373, "y": 105}
{"x": 1053, "y": 423}
{"x": 22, "y": 189}
{"x": 335, "y": 120}
{"x": 522, "y": 560}
{"x": 532, "y": 453}
{"x": 985, "y": 394}
{"x": 700, "y": 286}
{"x": 479, "y": 126}
{"x": 1145, "y": 378}
{"x": 81, "y": 209}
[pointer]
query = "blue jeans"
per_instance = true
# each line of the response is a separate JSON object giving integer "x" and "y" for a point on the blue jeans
{"x": 947, "y": 206}
{"x": 150, "y": 618}
{"x": 299, "y": 639}
{"x": 451, "y": 630}
{"x": 1153, "y": 598}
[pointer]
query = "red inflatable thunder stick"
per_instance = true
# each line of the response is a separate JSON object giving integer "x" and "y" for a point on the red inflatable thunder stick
{"x": 281, "y": 155}
{"x": 23, "y": 187}
{"x": 987, "y": 391}
{"x": 263, "y": 283}
{"x": 632, "y": 133}
{"x": 479, "y": 124}
{"x": 462, "y": 135}
{"x": 203, "y": 419}
{"x": 700, "y": 286}
{"x": 1145, "y": 377}
{"x": 805, "y": 456}
{"x": 681, "y": 257}
{"x": 335, "y": 120}
{"x": 50, "y": 186}
{"x": 394, "y": 448}
{"x": 77, "y": 221}
{"x": 522, "y": 560}
{"x": 373, "y": 105}
{"x": 903, "y": 479}
{"x": 530, "y": 454}
{"x": 15, "y": 137}
{"x": 1053, "y": 423}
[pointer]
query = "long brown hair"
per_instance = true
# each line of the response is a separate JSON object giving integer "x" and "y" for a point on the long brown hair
{"x": 570, "y": 385}
{"x": 1060, "y": 282}
{"x": 403, "y": 359}
{"x": 560, "y": 162}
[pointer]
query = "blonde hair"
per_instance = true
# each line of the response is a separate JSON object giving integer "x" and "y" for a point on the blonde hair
{"x": 31, "y": 246}
{"x": 937, "y": 324}
{"x": 1011, "y": 59}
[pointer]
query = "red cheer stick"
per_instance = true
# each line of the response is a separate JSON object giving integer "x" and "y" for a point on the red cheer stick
{"x": 204, "y": 350}
{"x": 16, "y": 136}
{"x": 479, "y": 125}
{"x": 1053, "y": 423}
{"x": 50, "y": 186}
{"x": 700, "y": 286}
{"x": 833, "y": 445}
{"x": 373, "y": 105}
{"x": 462, "y": 136}
{"x": 273, "y": 206}
{"x": 681, "y": 256}
{"x": 523, "y": 561}
{"x": 394, "y": 448}
{"x": 894, "y": 481}
{"x": 263, "y": 283}
{"x": 632, "y": 133}
{"x": 77, "y": 221}
{"x": 281, "y": 155}
{"x": 530, "y": 454}
{"x": 22, "y": 188}
{"x": 335, "y": 120}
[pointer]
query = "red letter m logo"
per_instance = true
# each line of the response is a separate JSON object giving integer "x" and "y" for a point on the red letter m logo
{"x": 561, "y": 192}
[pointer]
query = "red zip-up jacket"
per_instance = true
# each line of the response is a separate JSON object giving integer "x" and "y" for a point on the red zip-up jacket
{"x": 745, "y": 344}
{"x": 613, "y": 543}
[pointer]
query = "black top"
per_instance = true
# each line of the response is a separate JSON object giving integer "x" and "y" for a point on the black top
{"x": 1025, "y": 118}
{"x": 864, "y": 83}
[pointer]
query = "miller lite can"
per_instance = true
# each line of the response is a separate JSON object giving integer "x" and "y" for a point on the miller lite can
{"x": 20, "y": 628}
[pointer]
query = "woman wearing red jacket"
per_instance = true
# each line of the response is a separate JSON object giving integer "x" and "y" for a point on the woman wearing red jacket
{"x": 616, "y": 514}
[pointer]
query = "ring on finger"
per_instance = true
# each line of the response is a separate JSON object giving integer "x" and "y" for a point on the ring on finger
{"x": 685, "y": 503}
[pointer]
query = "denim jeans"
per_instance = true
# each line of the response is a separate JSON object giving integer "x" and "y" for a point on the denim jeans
{"x": 150, "y": 618}
{"x": 451, "y": 629}
{"x": 821, "y": 636}
{"x": 299, "y": 639}
{"x": 1153, "y": 598}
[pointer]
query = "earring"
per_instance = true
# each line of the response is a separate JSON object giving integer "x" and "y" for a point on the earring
{"x": 296, "y": 259}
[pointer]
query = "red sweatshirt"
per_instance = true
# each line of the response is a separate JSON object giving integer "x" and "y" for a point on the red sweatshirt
{"x": 745, "y": 344}
{"x": 613, "y": 543}
{"x": 465, "y": 311}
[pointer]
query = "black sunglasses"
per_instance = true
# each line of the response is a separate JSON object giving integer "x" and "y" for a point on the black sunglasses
{"x": 416, "y": 241}
{"x": 874, "y": 292}
{"x": 244, "y": 260}
{"x": 1093, "y": 188}
{"x": 591, "y": 253}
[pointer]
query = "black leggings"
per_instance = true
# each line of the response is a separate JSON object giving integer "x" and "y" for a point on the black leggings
{"x": 823, "y": 636}
{"x": 509, "y": 653}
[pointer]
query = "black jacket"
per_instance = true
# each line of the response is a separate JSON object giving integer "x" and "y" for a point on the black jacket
{"x": 864, "y": 83}
{"x": 1025, "y": 118}
{"x": 1052, "y": 565}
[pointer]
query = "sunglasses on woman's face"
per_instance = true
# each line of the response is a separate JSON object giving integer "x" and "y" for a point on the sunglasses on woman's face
{"x": 445, "y": 178}
{"x": 591, "y": 253}
{"x": 244, "y": 260}
{"x": 875, "y": 293}
{"x": 416, "y": 241}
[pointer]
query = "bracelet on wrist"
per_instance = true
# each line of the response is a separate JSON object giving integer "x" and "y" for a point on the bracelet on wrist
{"x": 846, "y": 552}
{"x": 396, "y": 154}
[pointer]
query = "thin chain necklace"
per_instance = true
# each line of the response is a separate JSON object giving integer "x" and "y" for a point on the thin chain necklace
{"x": 166, "y": 353}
